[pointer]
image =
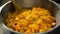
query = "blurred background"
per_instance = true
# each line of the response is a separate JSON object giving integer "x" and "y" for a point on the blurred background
{"x": 4, "y": 1}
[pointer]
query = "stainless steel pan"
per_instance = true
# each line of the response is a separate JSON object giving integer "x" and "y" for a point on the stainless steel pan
{"x": 47, "y": 4}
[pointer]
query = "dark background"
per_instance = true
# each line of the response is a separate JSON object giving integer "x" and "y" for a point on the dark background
{"x": 2, "y": 2}
{"x": 58, "y": 1}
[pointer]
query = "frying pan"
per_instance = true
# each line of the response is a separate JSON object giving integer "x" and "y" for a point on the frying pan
{"x": 53, "y": 7}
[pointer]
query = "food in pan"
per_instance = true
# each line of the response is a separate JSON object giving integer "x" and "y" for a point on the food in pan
{"x": 32, "y": 20}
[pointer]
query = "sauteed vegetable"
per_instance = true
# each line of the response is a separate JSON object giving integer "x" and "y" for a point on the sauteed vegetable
{"x": 32, "y": 20}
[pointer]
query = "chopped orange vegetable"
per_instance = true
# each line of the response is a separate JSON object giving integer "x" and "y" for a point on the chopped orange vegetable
{"x": 31, "y": 20}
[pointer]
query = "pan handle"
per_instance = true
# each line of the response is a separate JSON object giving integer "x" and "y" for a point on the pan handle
{"x": 4, "y": 5}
